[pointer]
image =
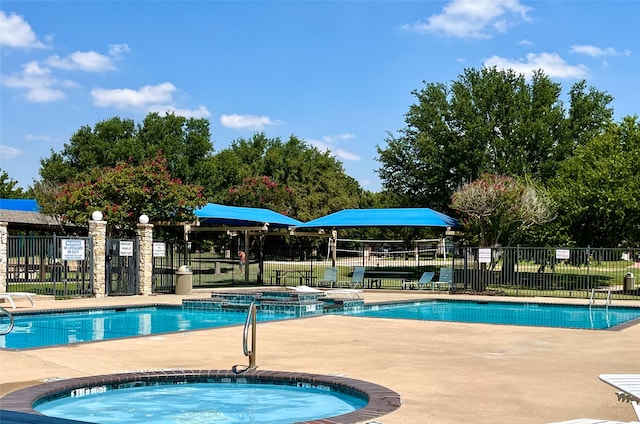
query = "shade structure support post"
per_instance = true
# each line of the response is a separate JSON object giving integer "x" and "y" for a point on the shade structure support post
{"x": 334, "y": 247}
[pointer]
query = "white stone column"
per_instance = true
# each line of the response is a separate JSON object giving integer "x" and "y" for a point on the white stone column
{"x": 3, "y": 256}
{"x": 98, "y": 233}
{"x": 145, "y": 258}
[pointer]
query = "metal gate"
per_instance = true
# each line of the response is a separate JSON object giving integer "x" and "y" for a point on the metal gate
{"x": 121, "y": 267}
{"x": 167, "y": 257}
{"x": 51, "y": 265}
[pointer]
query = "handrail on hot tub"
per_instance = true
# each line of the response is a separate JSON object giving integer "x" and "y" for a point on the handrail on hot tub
{"x": 251, "y": 321}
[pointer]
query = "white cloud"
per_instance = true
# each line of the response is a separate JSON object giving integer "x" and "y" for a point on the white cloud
{"x": 525, "y": 42}
{"x": 330, "y": 143}
{"x": 126, "y": 98}
{"x": 16, "y": 32}
{"x": 551, "y": 63}
{"x": 33, "y": 137}
{"x": 89, "y": 61}
{"x": 83, "y": 61}
{"x": 200, "y": 112}
{"x": 37, "y": 80}
{"x": 8, "y": 152}
{"x": 246, "y": 121}
{"x": 593, "y": 50}
{"x": 150, "y": 98}
{"x": 473, "y": 18}
{"x": 116, "y": 50}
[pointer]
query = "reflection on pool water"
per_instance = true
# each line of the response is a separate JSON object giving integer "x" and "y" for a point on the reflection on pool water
{"x": 203, "y": 403}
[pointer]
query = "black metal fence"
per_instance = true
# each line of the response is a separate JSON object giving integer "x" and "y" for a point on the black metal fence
{"x": 40, "y": 264}
{"x": 50, "y": 265}
{"x": 544, "y": 271}
{"x": 508, "y": 271}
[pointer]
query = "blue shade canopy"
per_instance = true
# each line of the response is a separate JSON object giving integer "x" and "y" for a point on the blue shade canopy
{"x": 391, "y": 217}
{"x": 237, "y": 216}
{"x": 23, "y": 205}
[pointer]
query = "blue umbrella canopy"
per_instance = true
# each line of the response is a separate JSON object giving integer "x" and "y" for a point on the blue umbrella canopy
{"x": 390, "y": 217}
{"x": 238, "y": 216}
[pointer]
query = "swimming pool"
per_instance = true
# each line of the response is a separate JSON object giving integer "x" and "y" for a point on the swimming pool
{"x": 77, "y": 326}
{"x": 48, "y": 329}
{"x": 505, "y": 313}
{"x": 200, "y": 396}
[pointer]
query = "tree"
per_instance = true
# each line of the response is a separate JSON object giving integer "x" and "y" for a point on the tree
{"x": 9, "y": 187}
{"x": 184, "y": 142}
{"x": 262, "y": 192}
{"x": 598, "y": 188}
{"x": 317, "y": 180}
{"x": 488, "y": 120}
{"x": 497, "y": 209}
{"x": 123, "y": 193}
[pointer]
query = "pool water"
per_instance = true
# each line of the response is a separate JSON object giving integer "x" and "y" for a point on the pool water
{"x": 505, "y": 313}
{"x": 196, "y": 403}
{"x": 49, "y": 329}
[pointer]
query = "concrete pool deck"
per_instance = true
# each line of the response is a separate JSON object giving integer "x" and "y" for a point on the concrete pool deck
{"x": 445, "y": 372}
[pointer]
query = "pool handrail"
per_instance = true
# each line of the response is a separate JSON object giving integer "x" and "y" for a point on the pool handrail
{"x": 250, "y": 321}
{"x": 11, "y": 324}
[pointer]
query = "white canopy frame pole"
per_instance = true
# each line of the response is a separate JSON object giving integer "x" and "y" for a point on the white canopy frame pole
{"x": 334, "y": 246}
{"x": 246, "y": 256}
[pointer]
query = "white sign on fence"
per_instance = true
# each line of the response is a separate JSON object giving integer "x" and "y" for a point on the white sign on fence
{"x": 484, "y": 256}
{"x": 159, "y": 250}
{"x": 72, "y": 250}
{"x": 563, "y": 254}
{"x": 126, "y": 248}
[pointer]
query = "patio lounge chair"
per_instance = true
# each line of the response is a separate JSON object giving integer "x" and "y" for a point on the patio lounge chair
{"x": 329, "y": 278}
{"x": 347, "y": 293}
{"x": 358, "y": 277}
{"x": 422, "y": 283}
{"x": 426, "y": 280}
{"x": 445, "y": 279}
{"x": 307, "y": 289}
{"x": 10, "y": 296}
{"x": 628, "y": 386}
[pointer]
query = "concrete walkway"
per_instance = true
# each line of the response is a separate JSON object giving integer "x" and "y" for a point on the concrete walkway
{"x": 445, "y": 372}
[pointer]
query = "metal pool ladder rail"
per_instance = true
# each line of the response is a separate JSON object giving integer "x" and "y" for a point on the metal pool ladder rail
{"x": 592, "y": 298}
{"x": 251, "y": 321}
{"x": 11, "y": 323}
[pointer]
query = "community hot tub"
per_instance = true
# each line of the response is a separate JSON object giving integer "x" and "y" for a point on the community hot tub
{"x": 260, "y": 397}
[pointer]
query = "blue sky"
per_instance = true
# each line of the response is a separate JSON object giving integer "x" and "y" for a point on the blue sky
{"x": 337, "y": 74}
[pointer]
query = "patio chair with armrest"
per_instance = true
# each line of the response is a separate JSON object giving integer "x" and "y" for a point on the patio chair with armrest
{"x": 10, "y": 297}
{"x": 628, "y": 386}
{"x": 329, "y": 278}
{"x": 426, "y": 280}
{"x": 445, "y": 279}
{"x": 358, "y": 277}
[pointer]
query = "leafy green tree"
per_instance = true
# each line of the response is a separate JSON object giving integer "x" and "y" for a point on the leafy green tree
{"x": 261, "y": 192}
{"x": 123, "y": 193}
{"x": 184, "y": 142}
{"x": 497, "y": 209}
{"x": 598, "y": 188}
{"x": 488, "y": 120}
{"x": 9, "y": 187}
{"x": 318, "y": 181}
